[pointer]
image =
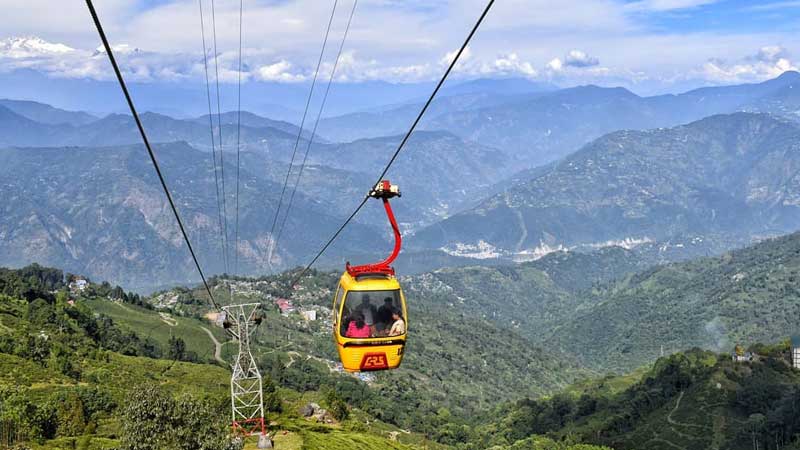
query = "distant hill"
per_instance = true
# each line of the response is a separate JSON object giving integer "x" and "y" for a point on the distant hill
{"x": 724, "y": 180}
{"x": 251, "y": 120}
{"x": 438, "y": 172}
{"x": 37, "y": 130}
{"x": 546, "y": 127}
{"x": 16, "y": 128}
{"x": 541, "y": 124}
{"x": 395, "y": 119}
{"x": 535, "y": 298}
{"x": 43, "y": 113}
{"x": 101, "y": 212}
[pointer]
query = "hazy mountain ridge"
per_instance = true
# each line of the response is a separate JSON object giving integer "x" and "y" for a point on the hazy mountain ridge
{"x": 395, "y": 119}
{"x": 621, "y": 189}
{"x": 101, "y": 212}
{"x": 120, "y": 129}
{"x": 728, "y": 175}
{"x": 43, "y": 113}
{"x": 546, "y": 127}
{"x": 438, "y": 172}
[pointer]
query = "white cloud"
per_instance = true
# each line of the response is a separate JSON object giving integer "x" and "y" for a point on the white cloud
{"x": 771, "y": 54}
{"x": 556, "y": 65}
{"x": 768, "y": 62}
{"x": 777, "y": 6}
{"x": 510, "y": 64}
{"x": 577, "y": 58}
{"x": 404, "y": 41}
{"x": 576, "y": 62}
{"x": 279, "y": 71}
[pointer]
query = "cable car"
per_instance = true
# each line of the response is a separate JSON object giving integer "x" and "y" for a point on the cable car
{"x": 369, "y": 308}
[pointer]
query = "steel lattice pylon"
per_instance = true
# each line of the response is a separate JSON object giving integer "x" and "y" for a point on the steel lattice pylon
{"x": 247, "y": 400}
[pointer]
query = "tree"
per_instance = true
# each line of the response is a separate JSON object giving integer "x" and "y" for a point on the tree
{"x": 177, "y": 349}
{"x": 40, "y": 312}
{"x": 272, "y": 401}
{"x": 71, "y": 417}
{"x": 154, "y": 420}
{"x": 336, "y": 405}
{"x": 36, "y": 348}
{"x": 755, "y": 423}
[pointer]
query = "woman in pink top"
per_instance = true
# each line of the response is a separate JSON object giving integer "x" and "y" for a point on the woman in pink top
{"x": 357, "y": 328}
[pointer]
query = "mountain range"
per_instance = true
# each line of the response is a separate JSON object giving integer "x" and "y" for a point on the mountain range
{"x": 729, "y": 178}
{"x": 717, "y": 183}
{"x": 542, "y": 124}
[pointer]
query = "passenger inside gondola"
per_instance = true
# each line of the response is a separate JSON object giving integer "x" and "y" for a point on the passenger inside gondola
{"x": 358, "y": 327}
{"x": 384, "y": 315}
{"x": 377, "y": 310}
{"x": 398, "y": 325}
{"x": 369, "y": 312}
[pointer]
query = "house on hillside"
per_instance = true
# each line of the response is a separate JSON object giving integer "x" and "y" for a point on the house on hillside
{"x": 219, "y": 319}
{"x": 78, "y": 284}
{"x": 310, "y": 315}
{"x": 285, "y": 306}
{"x": 739, "y": 355}
{"x": 796, "y": 351}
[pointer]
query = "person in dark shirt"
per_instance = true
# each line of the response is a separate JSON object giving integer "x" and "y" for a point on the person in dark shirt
{"x": 385, "y": 314}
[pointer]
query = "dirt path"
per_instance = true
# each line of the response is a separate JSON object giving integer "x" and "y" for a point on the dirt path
{"x": 671, "y": 444}
{"x": 167, "y": 319}
{"x": 681, "y": 424}
{"x": 217, "y": 346}
{"x": 291, "y": 354}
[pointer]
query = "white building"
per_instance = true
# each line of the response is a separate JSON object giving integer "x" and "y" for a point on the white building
{"x": 796, "y": 352}
{"x": 309, "y": 315}
{"x": 78, "y": 285}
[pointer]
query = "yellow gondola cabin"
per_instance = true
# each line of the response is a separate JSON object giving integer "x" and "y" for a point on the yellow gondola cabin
{"x": 369, "y": 308}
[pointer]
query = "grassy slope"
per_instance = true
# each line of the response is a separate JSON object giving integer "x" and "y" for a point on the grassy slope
{"x": 147, "y": 323}
{"x": 117, "y": 375}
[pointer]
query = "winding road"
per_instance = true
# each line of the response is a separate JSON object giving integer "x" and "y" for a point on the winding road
{"x": 217, "y": 347}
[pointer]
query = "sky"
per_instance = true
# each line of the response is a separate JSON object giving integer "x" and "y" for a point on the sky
{"x": 648, "y": 46}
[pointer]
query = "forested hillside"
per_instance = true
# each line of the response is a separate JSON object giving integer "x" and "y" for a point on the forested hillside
{"x": 691, "y": 400}
{"x": 613, "y": 311}
{"x": 746, "y": 295}
{"x": 455, "y": 370}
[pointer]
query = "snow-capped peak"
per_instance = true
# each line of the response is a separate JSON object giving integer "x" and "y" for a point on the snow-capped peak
{"x": 31, "y": 46}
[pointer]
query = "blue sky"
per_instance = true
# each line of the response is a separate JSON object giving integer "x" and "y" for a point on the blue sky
{"x": 732, "y": 16}
{"x": 646, "y": 45}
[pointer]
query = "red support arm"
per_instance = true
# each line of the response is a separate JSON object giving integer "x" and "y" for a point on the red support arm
{"x": 384, "y": 192}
